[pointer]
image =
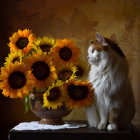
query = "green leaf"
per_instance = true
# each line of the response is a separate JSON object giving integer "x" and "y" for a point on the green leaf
{"x": 34, "y": 90}
{"x": 46, "y": 89}
{"x": 41, "y": 90}
{"x": 30, "y": 91}
{"x": 26, "y": 103}
{"x": 31, "y": 51}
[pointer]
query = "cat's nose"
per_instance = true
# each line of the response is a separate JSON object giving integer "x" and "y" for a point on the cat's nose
{"x": 91, "y": 42}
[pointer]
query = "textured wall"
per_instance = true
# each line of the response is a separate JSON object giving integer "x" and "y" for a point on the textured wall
{"x": 79, "y": 20}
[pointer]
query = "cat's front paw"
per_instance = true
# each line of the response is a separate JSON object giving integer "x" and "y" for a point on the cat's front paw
{"x": 102, "y": 125}
{"x": 112, "y": 127}
{"x": 93, "y": 124}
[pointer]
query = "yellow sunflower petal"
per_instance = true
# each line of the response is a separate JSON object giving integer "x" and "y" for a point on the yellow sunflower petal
{"x": 83, "y": 69}
{"x": 15, "y": 81}
{"x": 45, "y": 44}
{"x": 79, "y": 93}
{"x": 20, "y": 32}
{"x": 13, "y": 57}
{"x": 21, "y": 40}
{"x": 54, "y": 96}
{"x": 42, "y": 69}
{"x": 65, "y": 51}
{"x": 66, "y": 72}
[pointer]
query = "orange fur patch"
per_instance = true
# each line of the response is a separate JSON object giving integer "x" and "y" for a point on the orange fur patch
{"x": 114, "y": 47}
{"x": 113, "y": 115}
{"x": 99, "y": 47}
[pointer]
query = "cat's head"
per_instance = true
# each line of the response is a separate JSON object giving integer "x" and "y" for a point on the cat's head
{"x": 98, "y": 50}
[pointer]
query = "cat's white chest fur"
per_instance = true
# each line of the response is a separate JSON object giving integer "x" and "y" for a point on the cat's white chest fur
{"x": 102, "y": 84}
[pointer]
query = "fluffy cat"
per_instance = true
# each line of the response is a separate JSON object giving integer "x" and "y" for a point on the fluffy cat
{"x": 114, "y": 103}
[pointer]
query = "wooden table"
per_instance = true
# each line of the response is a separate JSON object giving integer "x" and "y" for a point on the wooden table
{"x": 84, "y": 133}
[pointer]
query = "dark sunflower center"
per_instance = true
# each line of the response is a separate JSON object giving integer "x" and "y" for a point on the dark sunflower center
{"x": 77, "y": 92}
{"x": 46, "y": 47}
{"x": 65, "y": 75}
{"x": 17, "y": 80}
{"x": 79, "y": 71}
{"x": 65, "y": 53}
{"x": 16, "y": 59}
{"x": 54, "y": 94}
{"x": 22, "y": 42}
{"x": 41, "y": 70}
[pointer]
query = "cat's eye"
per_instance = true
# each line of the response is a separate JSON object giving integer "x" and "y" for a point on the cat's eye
{"x": 91, "y": 42}
{"x": 93, "y": 50}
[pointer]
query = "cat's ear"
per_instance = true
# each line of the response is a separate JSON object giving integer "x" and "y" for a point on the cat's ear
{"x": 101, "y": 39}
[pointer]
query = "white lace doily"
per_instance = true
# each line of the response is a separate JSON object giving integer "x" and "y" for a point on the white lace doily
{"x": 36, "y": 126}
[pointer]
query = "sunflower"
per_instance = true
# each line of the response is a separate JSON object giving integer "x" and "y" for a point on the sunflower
{"x": 45, "y": 44}
{"x": 21, "y": 40}
{"x": 79, "y": 93}
{"x": 66, "y": 72}
{"x": 54, "y": 96}
{"x": 34, "y": 49}
{"x": 65, "y": 51}
{"x": 82, "y": 70}
{"x": 16, "y": 81}
{"x": 43, "y": 70}
{"x": 13, "y": 57}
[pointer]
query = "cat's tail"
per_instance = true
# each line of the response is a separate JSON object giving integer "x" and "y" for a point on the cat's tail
{"x": 92, "y": 115}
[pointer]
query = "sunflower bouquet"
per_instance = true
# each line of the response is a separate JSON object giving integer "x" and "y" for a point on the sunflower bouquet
{"x": 47, "y": 66}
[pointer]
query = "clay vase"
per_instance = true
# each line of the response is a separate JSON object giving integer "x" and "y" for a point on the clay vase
{"x": 48, "y": 116}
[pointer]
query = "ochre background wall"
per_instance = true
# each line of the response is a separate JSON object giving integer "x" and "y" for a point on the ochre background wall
{"x": 78, "y": 20}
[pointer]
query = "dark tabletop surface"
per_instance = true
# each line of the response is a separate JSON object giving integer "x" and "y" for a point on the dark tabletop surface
{"x": 71, "y": 134}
